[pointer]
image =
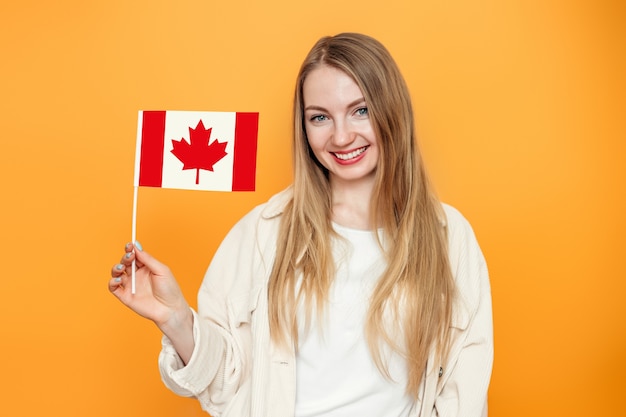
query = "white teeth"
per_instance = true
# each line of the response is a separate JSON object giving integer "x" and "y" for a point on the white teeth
{"x": 353, "y": 154}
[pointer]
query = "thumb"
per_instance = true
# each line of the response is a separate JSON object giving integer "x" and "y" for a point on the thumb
{"x": 148, "y": 260}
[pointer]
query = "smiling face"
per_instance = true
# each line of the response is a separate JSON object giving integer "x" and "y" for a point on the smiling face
{"x": 338, "y": 126}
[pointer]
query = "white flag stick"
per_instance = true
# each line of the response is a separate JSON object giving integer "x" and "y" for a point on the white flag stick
{"x": 134, "y": 235}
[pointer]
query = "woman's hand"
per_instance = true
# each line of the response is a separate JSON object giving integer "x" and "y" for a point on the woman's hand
{"x": 157, "y": 296}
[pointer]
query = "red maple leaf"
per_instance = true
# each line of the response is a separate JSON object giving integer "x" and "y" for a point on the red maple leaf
{"x": 198, "y": 153}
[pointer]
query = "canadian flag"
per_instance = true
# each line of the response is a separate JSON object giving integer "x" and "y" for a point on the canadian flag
{"x": 195, "y": 150}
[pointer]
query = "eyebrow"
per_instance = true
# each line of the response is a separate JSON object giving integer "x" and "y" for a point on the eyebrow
{"x": 352, "y": 104}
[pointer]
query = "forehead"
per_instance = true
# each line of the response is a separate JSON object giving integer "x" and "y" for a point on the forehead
{"x": 326, "y": 83}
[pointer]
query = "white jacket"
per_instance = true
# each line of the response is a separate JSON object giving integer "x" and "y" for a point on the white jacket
{"x": 235, "y": 370}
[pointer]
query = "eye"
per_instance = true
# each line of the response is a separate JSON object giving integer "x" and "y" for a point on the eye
{"x": 362, "y": 111}
{"x": 318, "y": 118}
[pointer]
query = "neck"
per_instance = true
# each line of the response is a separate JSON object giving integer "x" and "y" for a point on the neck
{"x": 351, "y": 204}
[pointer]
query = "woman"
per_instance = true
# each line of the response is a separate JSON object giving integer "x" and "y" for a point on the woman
{"x": 354, "y": 291}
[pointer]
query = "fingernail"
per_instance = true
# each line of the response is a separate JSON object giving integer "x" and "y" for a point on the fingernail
{"x": 119, "y": 267}
{"x": 127, "y": 255}
{"x": 138, "y": 245}
{"x": 118, "y": 279}
{"x": 127, "y": 245}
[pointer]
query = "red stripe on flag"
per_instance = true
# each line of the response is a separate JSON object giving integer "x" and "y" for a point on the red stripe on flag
{"x": 152, "y": 142}
{"x": 244, "y": 158}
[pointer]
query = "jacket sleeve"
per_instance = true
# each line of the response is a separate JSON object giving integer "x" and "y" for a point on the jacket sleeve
{"x": 464, "y": 381}
{"x": 219, "y": 369}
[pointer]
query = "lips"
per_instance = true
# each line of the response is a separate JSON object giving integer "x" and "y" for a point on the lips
{"x": 348, "y": 156}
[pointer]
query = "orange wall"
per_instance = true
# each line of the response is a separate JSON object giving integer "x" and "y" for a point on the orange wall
{"x": 521, "y": 115}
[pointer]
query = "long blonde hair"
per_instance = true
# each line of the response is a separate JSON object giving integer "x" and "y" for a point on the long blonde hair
{"x": 411, "y": 306}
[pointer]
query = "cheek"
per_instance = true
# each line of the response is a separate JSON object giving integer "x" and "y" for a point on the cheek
{"x": 314, "y": 138}
{"x": 308, "y": 135}
{"x": 316, "y": 147}
{"x": 318, "y": 152}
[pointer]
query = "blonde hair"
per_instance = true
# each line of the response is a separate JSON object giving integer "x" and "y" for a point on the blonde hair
{"x": 411, "y": 306}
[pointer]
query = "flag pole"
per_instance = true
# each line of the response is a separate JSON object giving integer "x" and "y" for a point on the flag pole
{"x": 134, "y": 235}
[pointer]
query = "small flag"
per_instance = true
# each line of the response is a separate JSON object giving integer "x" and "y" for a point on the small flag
{"x": 213, "y": 151}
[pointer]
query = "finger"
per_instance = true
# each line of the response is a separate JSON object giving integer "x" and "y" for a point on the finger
{"x": 127, "y": 259}
{"x": 129, "y": 256}
{"x": 115, "y": 284}
{"x": 117, "y": 270}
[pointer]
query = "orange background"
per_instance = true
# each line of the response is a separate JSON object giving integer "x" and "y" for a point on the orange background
{"x": 520, "y": 106}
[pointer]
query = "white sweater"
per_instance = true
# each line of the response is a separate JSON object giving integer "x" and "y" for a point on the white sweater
{"x": 235, "y": 370}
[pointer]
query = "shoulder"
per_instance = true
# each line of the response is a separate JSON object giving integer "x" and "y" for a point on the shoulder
{"x": 261, "y": 217}
{"x": 453, "y": 217}
{"x": 467, "y": 263}
{"x": 459, "y": 230}
{"x": 275, "y": 206}
{"x": 270, "y": 209}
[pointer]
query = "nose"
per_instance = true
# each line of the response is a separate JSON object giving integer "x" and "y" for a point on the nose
{"x": 343, "y": 134}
